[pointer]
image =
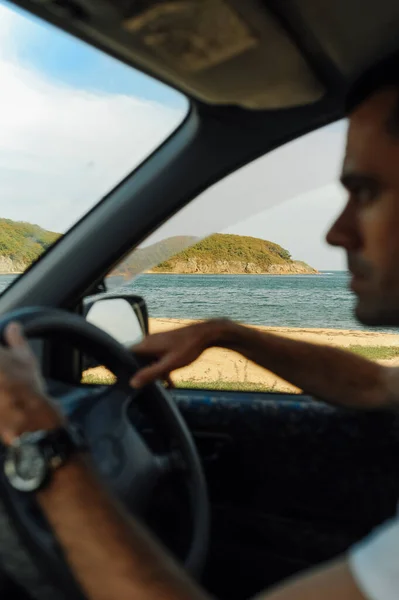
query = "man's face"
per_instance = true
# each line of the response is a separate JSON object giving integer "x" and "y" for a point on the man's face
{"x": 368, "y": 227}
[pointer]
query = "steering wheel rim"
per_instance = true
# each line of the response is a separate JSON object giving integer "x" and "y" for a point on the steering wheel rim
{"x": 43, "y": 322}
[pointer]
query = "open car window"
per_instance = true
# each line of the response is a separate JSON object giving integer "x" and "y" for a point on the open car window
{"x": 266, "y": 264}
{"x": 74, "y": 122}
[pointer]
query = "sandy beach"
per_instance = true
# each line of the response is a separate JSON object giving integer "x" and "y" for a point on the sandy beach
{"x": 218, "y": 365}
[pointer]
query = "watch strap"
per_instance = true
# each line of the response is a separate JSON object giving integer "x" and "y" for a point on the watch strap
{"x": 58, "y": 445}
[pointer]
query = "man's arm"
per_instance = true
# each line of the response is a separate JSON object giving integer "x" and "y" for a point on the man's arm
{"x": 110, "y": 553}
{"x": 330, "y": 374}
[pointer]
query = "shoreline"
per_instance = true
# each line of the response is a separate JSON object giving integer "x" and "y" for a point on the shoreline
{"x": 202, "y": 274}
{"x": 225, "y": 274}
{"x": 334, "y": 337}
{"x": 12, "y": 272}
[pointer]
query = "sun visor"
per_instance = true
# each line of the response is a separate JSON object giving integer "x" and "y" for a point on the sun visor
{"x": 193, "y": 36}
{"x": 221, "y": 55}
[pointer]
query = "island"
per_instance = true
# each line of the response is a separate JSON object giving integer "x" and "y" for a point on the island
{"x": 218, "y": 254}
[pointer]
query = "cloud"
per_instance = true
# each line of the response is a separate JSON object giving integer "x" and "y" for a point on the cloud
{"x": 62, "y": 148}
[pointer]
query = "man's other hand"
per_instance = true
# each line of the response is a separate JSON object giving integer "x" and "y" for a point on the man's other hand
{"x": 174, "y": 349}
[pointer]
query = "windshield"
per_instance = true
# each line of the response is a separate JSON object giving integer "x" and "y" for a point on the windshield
{"x": 74, "y": 123}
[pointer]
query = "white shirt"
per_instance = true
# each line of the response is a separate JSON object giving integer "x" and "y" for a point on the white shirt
{"x": 374, "y": 562}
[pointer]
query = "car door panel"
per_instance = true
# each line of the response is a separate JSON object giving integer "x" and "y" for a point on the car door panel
{"x": 292, "y": 481}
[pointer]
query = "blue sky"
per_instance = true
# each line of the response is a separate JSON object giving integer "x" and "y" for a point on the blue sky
{"x": 74, "y": 122}
{"x": 76, "y": 64}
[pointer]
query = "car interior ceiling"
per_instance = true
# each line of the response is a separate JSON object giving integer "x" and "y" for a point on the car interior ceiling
{"x": 292, "y": 483}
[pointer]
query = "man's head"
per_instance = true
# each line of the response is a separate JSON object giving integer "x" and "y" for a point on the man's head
{"x": 368, "y": 227}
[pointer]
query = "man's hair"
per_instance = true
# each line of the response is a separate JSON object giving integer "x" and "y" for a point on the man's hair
{"x": 383, "y": 74}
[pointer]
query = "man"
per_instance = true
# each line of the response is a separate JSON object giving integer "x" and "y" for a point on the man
{"x": 119, "y": 559}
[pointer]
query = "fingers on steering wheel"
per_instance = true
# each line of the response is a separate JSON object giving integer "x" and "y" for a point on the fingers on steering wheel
{"x": 14, "y": 336}
{"x": 159, "y": 370}
{"x": 169, "y": 382}
{"x": 16, "y": 340}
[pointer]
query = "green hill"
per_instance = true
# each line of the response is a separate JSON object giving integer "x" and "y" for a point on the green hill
{"x": 227, "y": 253}
{"x": 21, "y": 244}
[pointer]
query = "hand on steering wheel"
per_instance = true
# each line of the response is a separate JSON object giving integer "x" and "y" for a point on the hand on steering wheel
{"x": 24, "y": 405}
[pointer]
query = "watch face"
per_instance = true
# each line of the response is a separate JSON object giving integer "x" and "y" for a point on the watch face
{"x": 25, "y": 467}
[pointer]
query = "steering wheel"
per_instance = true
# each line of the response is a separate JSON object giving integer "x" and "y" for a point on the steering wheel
{"x": 29, "y": 551}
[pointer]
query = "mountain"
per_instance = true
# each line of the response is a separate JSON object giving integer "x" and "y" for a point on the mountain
{"x": 21, "y": 244}
{"x": 234, "y": 254}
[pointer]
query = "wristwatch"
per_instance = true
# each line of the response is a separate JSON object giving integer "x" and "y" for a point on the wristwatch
{"x": 34, "y": 456}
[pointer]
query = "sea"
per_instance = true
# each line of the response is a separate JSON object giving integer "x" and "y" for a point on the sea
{"x": 322, "y": 300}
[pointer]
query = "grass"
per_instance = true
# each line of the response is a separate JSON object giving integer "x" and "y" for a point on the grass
{"x": 237, "y": 386}
{"x": 96, "y": 380}
{"x": 225, "y": 386}
{"x": 376, "y": 352}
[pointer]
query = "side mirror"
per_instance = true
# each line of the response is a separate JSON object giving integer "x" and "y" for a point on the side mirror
{"x": 124, "y": 317}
